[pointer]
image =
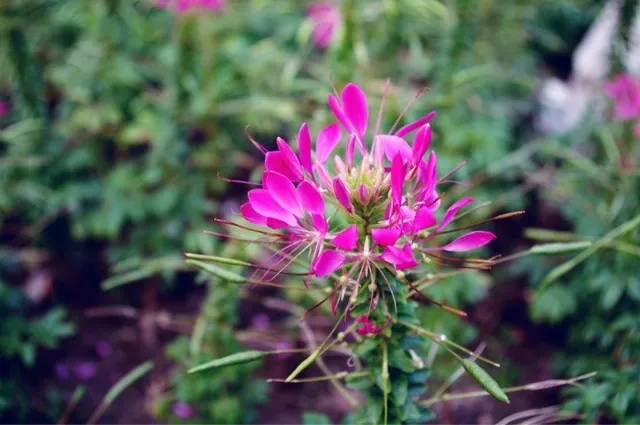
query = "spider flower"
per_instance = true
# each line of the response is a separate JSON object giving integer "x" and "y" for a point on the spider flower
{"x": 184, "y": 6}
{"x": 624, "y": 90}
{"x": 374, "y": 208}
{"x": 325, "y": 19}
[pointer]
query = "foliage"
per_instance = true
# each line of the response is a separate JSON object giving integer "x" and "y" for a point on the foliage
{"x": 597, "y": 299}
{"x": 20, "y": 337}
{"x": 221, "y": 395}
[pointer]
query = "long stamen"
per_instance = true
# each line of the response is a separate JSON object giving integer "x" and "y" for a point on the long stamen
{"x": 406, "y": 108}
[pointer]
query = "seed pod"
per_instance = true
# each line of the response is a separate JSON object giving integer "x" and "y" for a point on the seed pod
{"x": 484, "y": 380}
{"x": 218, "y": 271}
{"x": 234, "y": 359}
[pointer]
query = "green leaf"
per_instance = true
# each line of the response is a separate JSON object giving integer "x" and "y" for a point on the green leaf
{"x": 218, "y": 272}
{"x": 358, "y": 382}
{"x": 558, "y": 248}
{"x": 233, "y": 359}
{"x": 126, "y": 381}
{"x": 485, "y": 380}
{"x": 554, "y": 304}
{"x": 566, "y": 267}
{"x": 611, "y": 295}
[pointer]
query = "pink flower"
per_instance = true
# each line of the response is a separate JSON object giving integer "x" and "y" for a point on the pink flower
{"x": 183, "y": 410}
{"x": 325, "y": 18}
{"x": 625, "y": 92}
{"x": 4, "y": 108}
{"x": 373, "y": 211}
{"x": 366, "y": 327}
{"x": 184, "y": 6}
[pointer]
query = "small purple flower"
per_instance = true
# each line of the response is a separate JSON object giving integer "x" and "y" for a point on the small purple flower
{"x": 104, "y": 349}
{"x": 260, "y": 322}
{"x": 183, "y": 410}
{"x": 284, "y": 344}
{"x": 4, "y": 108}
{"x": 62, "y": 370}
{"x": 85, "y": 370}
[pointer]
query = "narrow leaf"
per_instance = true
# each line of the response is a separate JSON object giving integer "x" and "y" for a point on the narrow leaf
{"x": 216, "y": 259}
{"x": 558, "y": 248}
{"x": 218, "y": 271}
{"x": 234, "y": 359}
{"x": 126, "y": 381}
{"x": 485, "y": 380}
{"x": 565, "y": 267}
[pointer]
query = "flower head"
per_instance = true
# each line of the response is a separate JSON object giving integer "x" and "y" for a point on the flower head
{"x": 372, "y": 209}
{"x": 325, "y": 18}
{"x": 4, "y": 108}
{"x": 625, "y": 92}
{"x": 184, "y": 6}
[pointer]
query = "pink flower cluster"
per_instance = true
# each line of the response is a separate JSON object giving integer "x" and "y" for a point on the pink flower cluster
{"x": 184, "y": 6}
{"x": 624, "y": 90}
{"x": 325, "y": 17}
{"x": 375, "y": 209}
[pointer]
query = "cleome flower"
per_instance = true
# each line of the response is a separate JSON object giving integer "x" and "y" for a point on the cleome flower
{"x": 373, "y": 209}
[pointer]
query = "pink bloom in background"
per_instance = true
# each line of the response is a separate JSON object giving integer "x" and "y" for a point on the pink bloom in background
{"x": 183, "y": 6}
{"x": 325, "y": 18}
{"x": 4, "y": 108}
{"x": 183, "y": 410}
{"x": 625, "y": 92}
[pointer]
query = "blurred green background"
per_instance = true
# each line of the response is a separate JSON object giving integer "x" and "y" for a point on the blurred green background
{"x": 122, "y": 120}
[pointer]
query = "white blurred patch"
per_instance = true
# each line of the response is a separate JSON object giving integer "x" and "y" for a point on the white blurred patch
{"x": 563, "y": 105}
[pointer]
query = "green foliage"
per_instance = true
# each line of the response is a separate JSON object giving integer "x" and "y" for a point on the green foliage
{"x": 597, "y": 298}
{"x": 224, "y": 395}
{"x": 21, "y": 335}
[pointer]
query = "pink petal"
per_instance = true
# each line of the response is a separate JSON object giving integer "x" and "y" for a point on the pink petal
{"x": 290, "y": 158}
{"x": 351, "y": 148}
{"x": 416, "y": 124}
{"x": 304, "y": 148}
{"x": 401, "y": 258}
{"x": 340, "y": 165}
{"x": 325, "y": 178}
{"x": 328, "y": 262}
{"x": 397, "y": 179}
{"x": 310, "y": 198}
{"x": 421, "y": 143}
{"x": 424, "y": 219}
{"x": 251, "y": 215}
{"x": 263, "y": 203}
{"x": 284, "y": 192}
{"x": 326, "y": 141}
{"x": 363, "y": 194}
{"x": 335, "y": 107}
{"x": 275, "y": 161}
{"x": 394, "y": 145}
{"x": 347, "y": 239}
{"x": 471, "y": 240}
{"x": 342, "y": 195}
{"x": 385, "y": 237}
{"x": 319, "y": 223}
{"x": 274, "y": 223}
{"x": 451, "y": 212}
{"x": 354, "y": 103}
